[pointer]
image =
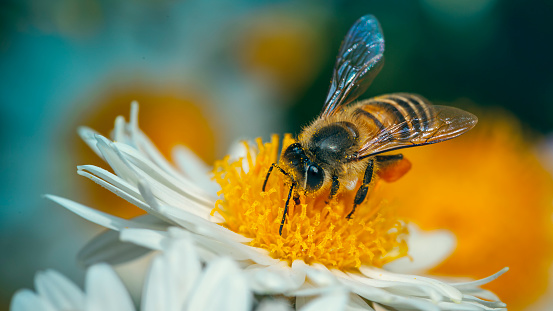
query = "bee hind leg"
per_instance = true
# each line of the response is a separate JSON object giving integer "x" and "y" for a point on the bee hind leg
{"x": 392, "y": 167}
{"x": 364, "y": 189}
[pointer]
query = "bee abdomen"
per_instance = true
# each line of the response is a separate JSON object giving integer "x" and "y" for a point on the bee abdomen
{"x": 400, "y": 115}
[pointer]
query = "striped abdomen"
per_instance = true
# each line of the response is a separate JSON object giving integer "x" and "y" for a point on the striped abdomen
{"x": 404, "y": 120}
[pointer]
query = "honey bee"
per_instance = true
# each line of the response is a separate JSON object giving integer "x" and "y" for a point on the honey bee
{"x": 345, "y": 143}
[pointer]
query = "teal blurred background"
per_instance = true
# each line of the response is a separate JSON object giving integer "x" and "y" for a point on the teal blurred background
{"x": 251, "y": 68}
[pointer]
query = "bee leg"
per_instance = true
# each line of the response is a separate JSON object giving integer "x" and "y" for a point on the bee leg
{"x": 269, "y": 173}
{"x": 389, "y": 159}
{"x": 334, "y": 188}
{"x": 362, "y": 192}
{"x": 392, "y": 167}
{"x": 286, "y": 208}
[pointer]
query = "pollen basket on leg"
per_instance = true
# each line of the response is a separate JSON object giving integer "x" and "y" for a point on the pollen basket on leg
{"x": 316, "y": 230}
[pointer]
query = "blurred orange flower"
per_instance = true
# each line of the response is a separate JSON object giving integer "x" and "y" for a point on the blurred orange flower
{"x": 490, "y": 190}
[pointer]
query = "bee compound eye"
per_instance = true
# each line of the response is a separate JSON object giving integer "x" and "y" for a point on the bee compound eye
{"x": 314, "y": 177}
{"x": 295, "y": 156}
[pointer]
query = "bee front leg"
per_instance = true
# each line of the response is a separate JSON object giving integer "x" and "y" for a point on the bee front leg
{"x": 334, "y": 188}
{"x": 364, "y": 189}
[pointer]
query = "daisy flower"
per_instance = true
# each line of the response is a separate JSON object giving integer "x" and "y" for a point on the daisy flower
{"x": 318, "y": 252}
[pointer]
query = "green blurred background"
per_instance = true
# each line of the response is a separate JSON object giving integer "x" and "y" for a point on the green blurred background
{"x": 244, "y": 68}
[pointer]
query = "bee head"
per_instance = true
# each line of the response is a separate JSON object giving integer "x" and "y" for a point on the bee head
{"x": 308, "y": 174}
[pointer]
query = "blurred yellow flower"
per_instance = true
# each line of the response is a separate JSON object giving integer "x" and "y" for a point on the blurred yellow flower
{"x": 490, "y": 190}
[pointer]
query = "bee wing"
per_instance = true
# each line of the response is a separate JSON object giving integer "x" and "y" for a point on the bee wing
{"x": 359, "y": 61}
{"x": 407, "y": 120}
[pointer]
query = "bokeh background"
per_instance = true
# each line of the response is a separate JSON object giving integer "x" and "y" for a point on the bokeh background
{"x": 209, "y": 72}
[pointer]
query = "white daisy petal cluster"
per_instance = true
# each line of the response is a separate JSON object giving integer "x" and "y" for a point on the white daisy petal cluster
{"x": 176, "y": 281}
{"x": 179, "y": 204}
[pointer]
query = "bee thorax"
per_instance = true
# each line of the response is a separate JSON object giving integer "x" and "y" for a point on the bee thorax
{"x": 334, "y": 143}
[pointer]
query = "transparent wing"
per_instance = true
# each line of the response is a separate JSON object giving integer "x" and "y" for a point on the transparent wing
{"x": 407, "y": 120}
{"x": 359, "y": 61}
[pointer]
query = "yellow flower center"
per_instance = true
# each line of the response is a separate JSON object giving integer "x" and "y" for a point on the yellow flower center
{"x": 316, "y": 230}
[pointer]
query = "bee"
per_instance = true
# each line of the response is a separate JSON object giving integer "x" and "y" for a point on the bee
{"x": 346, "y": 141}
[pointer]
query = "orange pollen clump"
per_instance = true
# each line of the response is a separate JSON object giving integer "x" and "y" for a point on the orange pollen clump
{"x": 316, "y": 231}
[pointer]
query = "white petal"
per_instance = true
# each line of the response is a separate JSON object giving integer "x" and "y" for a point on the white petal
{"x": 451, "y": 306}
{"x": 146, "y": 169}
{"x": 386, "y": 298}
{"x": 271, "y": 304}
{"x": 427, "y": 250}
{"x": 357, "y": 303}
{"x": 185, "y": 268}
{"x": 113, "y": 183}
{"x": 105, "y": 291}
{"x": 195, "y": 168}
{"x": 118, "y": 132}
{"x": 113, "y": 158}
{"x": 59, "y": 290}
{"x": 484, "y": 303}
{"x": 26, "y": 300}
{"x": 452, "y": 293}
{"x": 151, "y": 239}
{"x": 274, "y": 279}
{"x": 95, "y": 216}
{"x": 237, "y": 251}
{"x": 222, "y": 246}
{"x": 172, "y": 277}
{"x": 317, "y": 273}
{"x": 190, "y": 213}
{"x": 155, "y": 295}
{"x": 472, "y": 284}
{"x": 404, "y": 288}
{"x": 222, "y": 280}
{"x": 331, "y": 302}
{"x": 133, "y": 124}
{"x": 106, "y": 247}
{"x": 482, "y": 293}
{"x": 88, "y": 135}
{"x": 204, "y": 225}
